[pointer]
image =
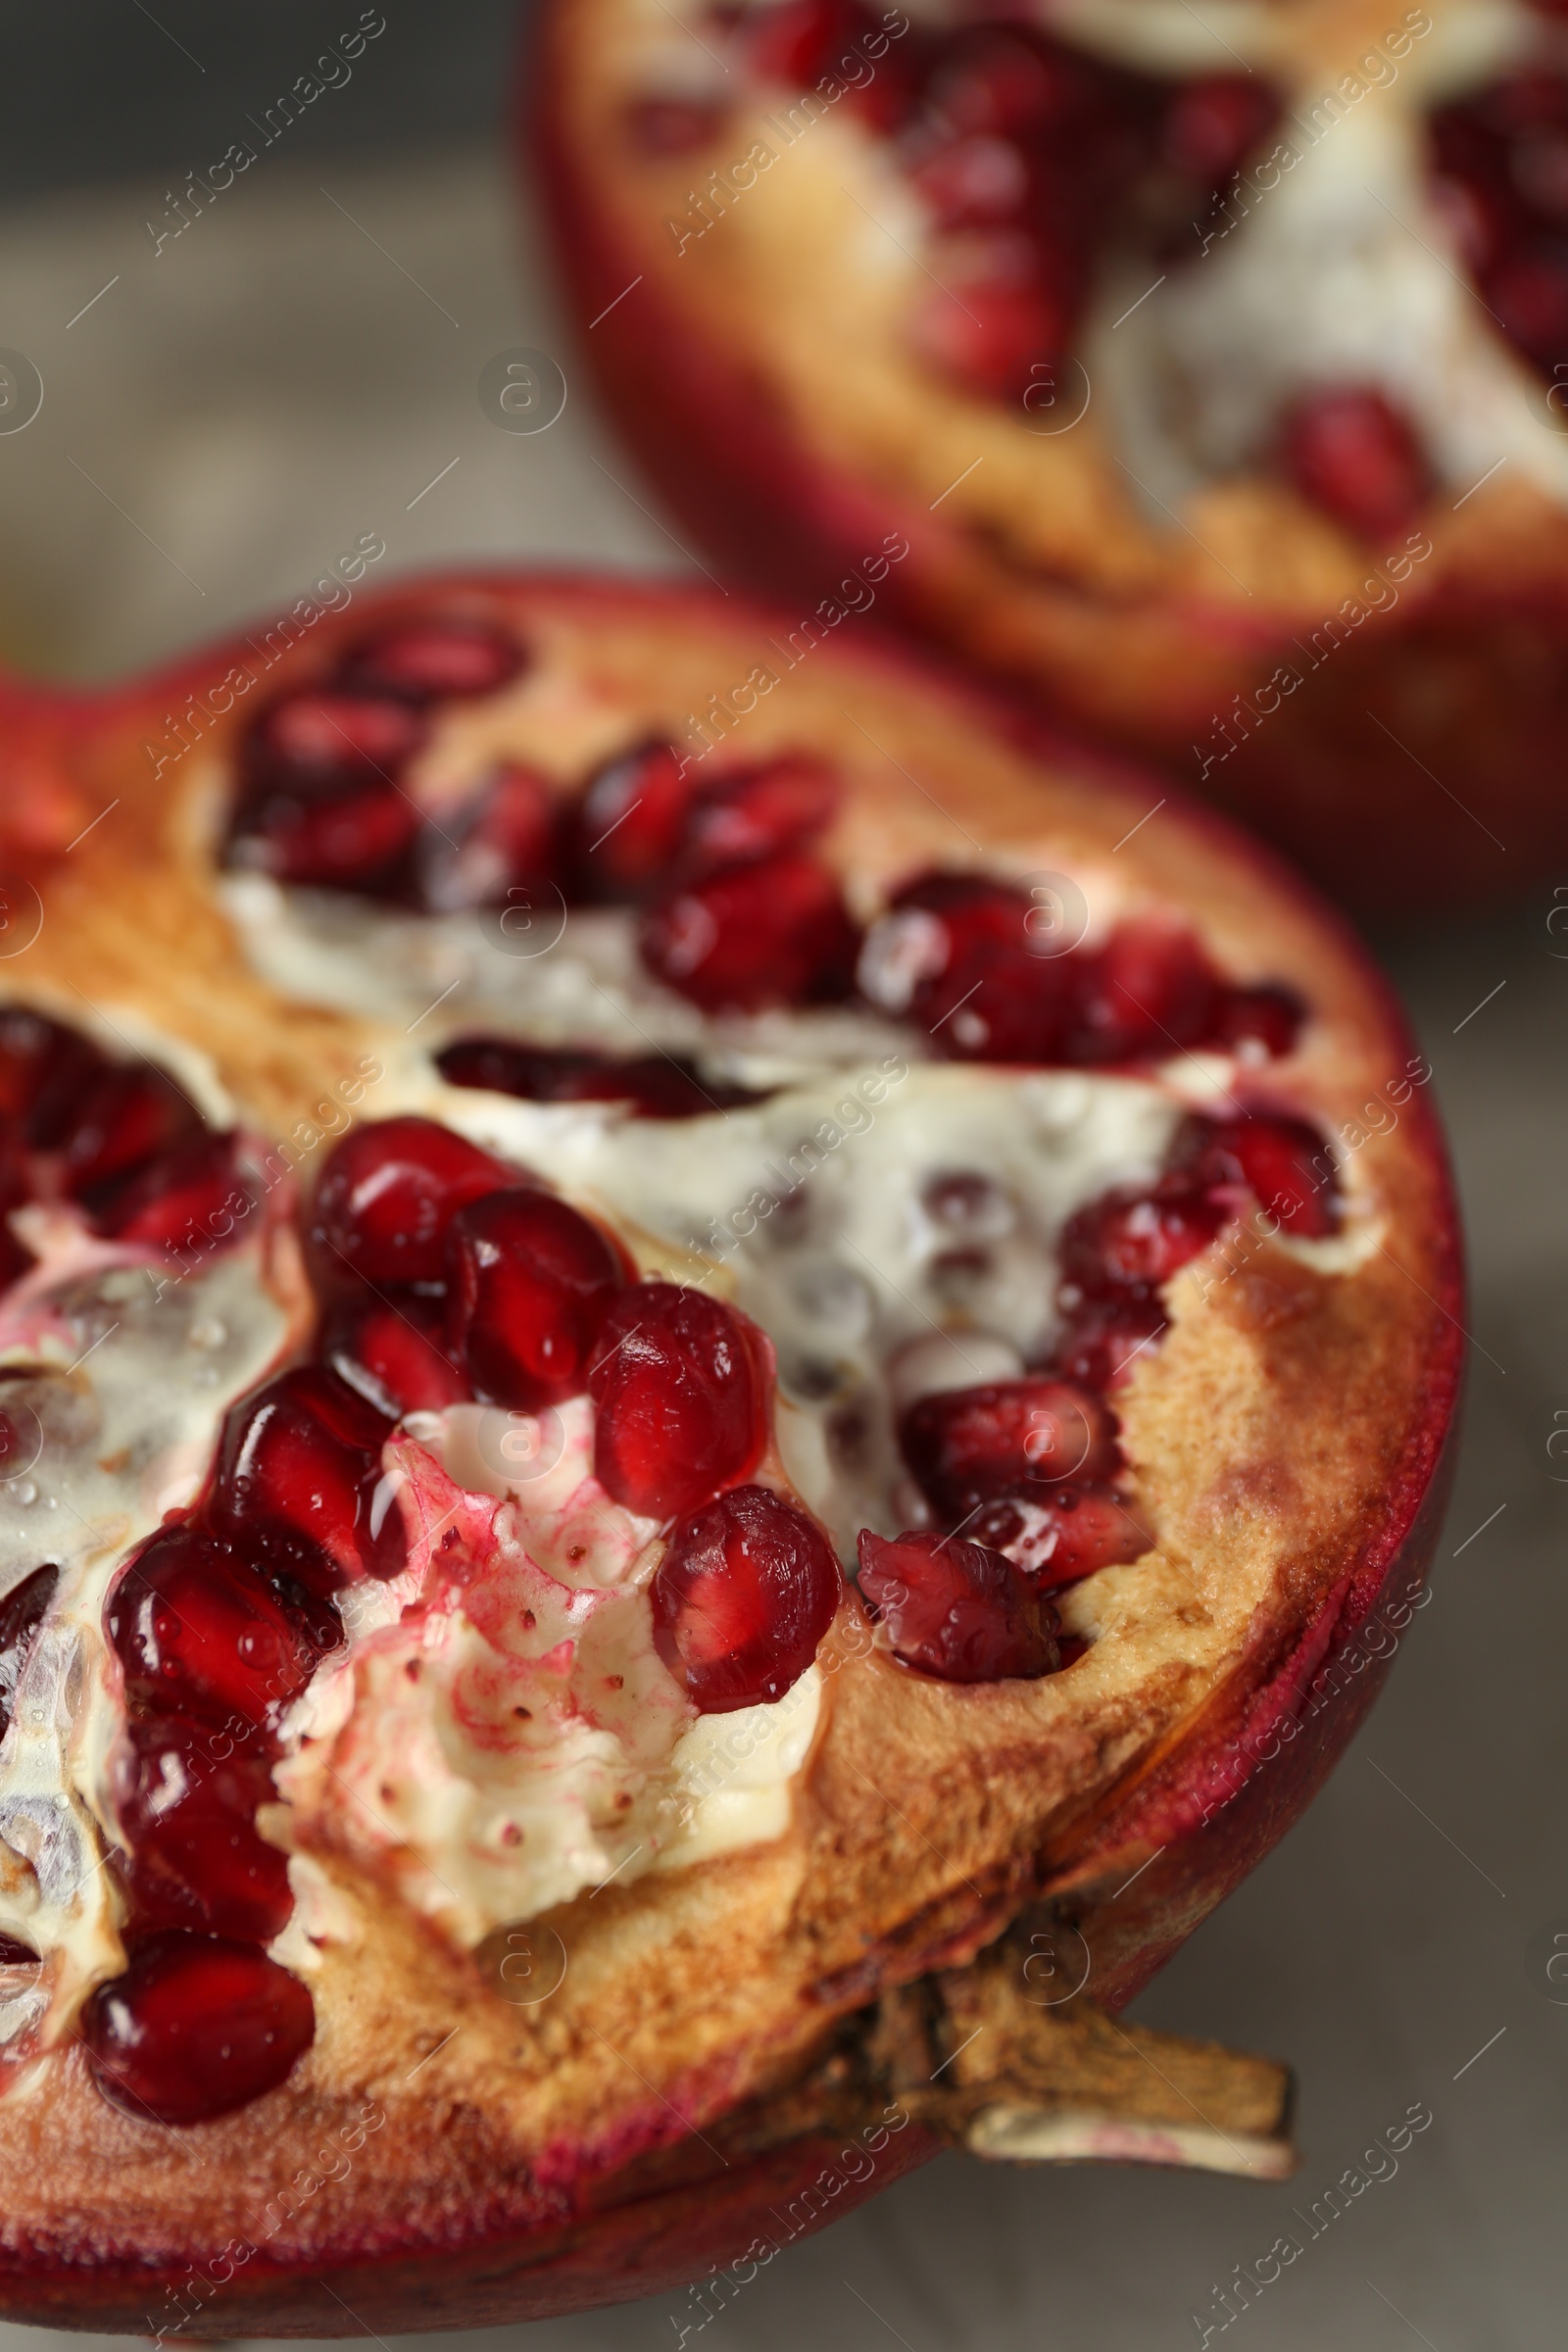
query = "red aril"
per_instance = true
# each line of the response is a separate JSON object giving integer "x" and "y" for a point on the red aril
{"x": 774, "y": 932}
{"x": 1134, "y": 1240}
{"x": 387, "y": 1196}
{"x": 1350, "y": 451}
{"x": 507, "y": 836}
{"x": 15, "y": 1192}
{"x": 628, "y": 823}
{"x": 657, "y": 1086}
{"x": 967, "y": 1445}
{"x": 1004, "y": 84}
{"x": 797, "y": 41}
{"x": 973, "y": 181}
{"x": 351, "y": 836}
{"x": 1149, "y": 992}
{"x": 1284, "y": 1163}
{"x": 134, "y": 1112}
{"x": 746, "y": 1590}
{"x": 1105, "y": 1337}
{"x": 197, "y": 2025}
{"x": 434, "y": 661}
{"x": 198, "y": 1633}
{"x": 186, "y": 1799}
{"x": 299, "y": 1463}
{"x": 394, "y": 1352}
{"x": 321, "y": 737}
{"x": 990, "y": 334}
{"x": 778, "y": 805}
{"x": 1059, "y": 1535}
{"x": 531, "y": 1279}
{"x": 1529, "y": 291}
{"x": 189, "y": 1197}
{"x": 1258, "y": 1023}
{"x": 679, "y": 1397}
{"x": 952, "y": 954}
{"x": 955, "y": 1609}
{"x": 21, "y": 1613}
{"x": 48, "y": 1069}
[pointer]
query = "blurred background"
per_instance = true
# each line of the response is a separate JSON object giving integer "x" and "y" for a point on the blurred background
{"x": 227, "y": 410}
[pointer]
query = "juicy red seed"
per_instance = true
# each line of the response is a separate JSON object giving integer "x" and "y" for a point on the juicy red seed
{"x": 134, "y": 1112}
{"x": 394, "y": 1354}
{"x": 189, "y": 1195}
{"x": 351, "y": 838}
{"x": 1148, "y": 991}
{"x": 530, "y": 1280}
{"x": 775, "y": 807}
{"x": 1138, "y": 1240}
{"x": 47, "y": 1070}
{"x": 965, "y": 1445}
{"x": 991, "y": 336}
{"x": 1062, "y": 1534}
{"x": 1529, "y": 292}
{"x": 953, "y": 953}
{"x": 998, "y": 82}
{"x": 1286, "y": 1167}
{"x": 678, "y": 1397}
{"x": 671, "y": 125}
{"x": 197, "y": 2025}
{"x": 21, "y": 1613}
{"x": 434, "y": 660}
{"x": 630, "y": 821}
{"x": 659, "y": 1086}
{"x": 1350, "y": 452}
{"x": 799, "y": 40}
{"x": 197, "y": 1633}
{"x": 387, "y": 1196}
{"x": 509, "y": 837}
{"x": 1106, "y": 1339}
{"x": 299, "y": 1464}
{"x": 1214, "y": 122}
{"x": 15, "y": 1255}
{"x": 743, "y": 1594}
{"x": 972, "y": 182}
{"x": 775, "y": 932}
{"x": 955, "y": 1609}
{"x": 323, "y": 736}
{"x": 1267, "y": 1017}
{"x": 186, "y": 1799}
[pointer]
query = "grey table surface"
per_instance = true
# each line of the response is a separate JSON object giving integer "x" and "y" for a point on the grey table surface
{"x": 224, "y": 417}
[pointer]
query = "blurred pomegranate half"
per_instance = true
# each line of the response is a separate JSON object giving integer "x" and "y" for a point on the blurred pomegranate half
{"x": 1206, "y": 376}
{"x": 672, "y": 1502}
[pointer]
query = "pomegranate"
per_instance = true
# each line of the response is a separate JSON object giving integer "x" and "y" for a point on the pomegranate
{"x": 1295, "y": 499}
{"x": 655, "y": 1544}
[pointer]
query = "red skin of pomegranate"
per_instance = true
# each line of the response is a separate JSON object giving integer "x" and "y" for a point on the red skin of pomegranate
{"x": 1210, "y": 1808}
{"x": 1357, "y": 809}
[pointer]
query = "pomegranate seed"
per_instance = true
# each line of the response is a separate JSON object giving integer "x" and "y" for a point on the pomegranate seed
{"x": 48, "y": 1069}
{"x": 388, "y": 1194}
{"x": 323, "y": 736}
{"x": 510, "y": 837}
{"x": 988, "y": 336}
{"x": 1285, "y": 1164}
{"x": 434, "y": 661}
{"x": 1267, "y": 1017}
{"x": 800, "y": 40}
{"x": 657, "y": 1086}
{"x": 1132, "y": 1240}
{"x": 197, "y": 1633}
{"x": 1215, "y": 123}
{"x": 1149, "y": 992}
{"x": 1350, "y": 452}
{"x": 1000, "y": 84}
{"x": 659, "y": 127}
{"x": 186, "y": 1805}
{"x": 133, "y": 1112}
{"x": 299, "y": 1465}
{"x": 530, "y": 1280}
{"x": 1529, "y": 295}
{"x": 958, "y": 1610}
{"x": 1061, "y": 1535}
{"x": 965, "y": 1445}
{"x": 972, "y": 182}
{"x": 778, "y": 805}
{"x": 186, "y": 1196}
{"x": 351, "y": 838}
{"x": 21, "y": 1613}
{"x": 197, "y": 2025}
{"x": 775, "y": 932}
{"x": 743, "y": 1594}
{"x": 952, "y": 953}
{"x": 394, "y": 1354}
{"x": 1105, "y": 1338}
{"x": 630, "y": 821}
{"x": 14, "y": 1192}
{"x": 679, "y": 1397}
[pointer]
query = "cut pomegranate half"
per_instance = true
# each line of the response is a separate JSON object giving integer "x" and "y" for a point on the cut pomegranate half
{"x": 468, "y": 1626}
{"x": 1271, "y": 438}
